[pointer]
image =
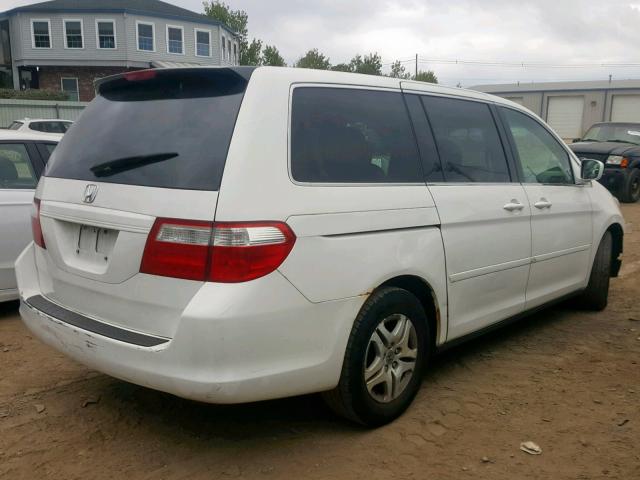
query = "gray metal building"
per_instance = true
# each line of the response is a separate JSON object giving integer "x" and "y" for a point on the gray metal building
{"x": 572, "y": 107}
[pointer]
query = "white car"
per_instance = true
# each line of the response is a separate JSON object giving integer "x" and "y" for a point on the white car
{"x": 311, "y": 232}
{"x": 42, "y": 125}
{"x": 22, "y": 159}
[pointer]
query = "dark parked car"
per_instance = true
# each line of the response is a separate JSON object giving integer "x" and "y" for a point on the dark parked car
{"x": 617, "y": 145}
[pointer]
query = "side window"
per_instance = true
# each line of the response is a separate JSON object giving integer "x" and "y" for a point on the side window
{"x": 46, "y": 149}
{"x": 38, "y": 126}
{"x": 341, "y": 135}
{"x": 430, "y": 161}
{"x": 55, "y": 127}
{"x": 16, "y": 171}
{"x": 467, "y": 139}
{"x": 541, "y": 157}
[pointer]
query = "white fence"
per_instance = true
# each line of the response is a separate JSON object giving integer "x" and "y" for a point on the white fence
{"x": 11, "y": 110}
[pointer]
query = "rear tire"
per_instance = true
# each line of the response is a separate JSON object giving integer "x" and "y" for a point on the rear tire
{"x": 385, "y": 359}
{"x": 631, "y": 188}
{"x": 596, "y": 295}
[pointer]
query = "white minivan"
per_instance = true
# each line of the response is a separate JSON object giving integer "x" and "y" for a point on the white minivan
{"x": 237, "y": 234}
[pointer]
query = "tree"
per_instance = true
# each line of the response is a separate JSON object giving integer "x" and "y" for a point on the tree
{"x": 426, "y": 76}
{"x": 314, "y": 59}
{"x": 341, "y": 67}
{"x": 399, "y": 71}
{"x": 237, "y": 20}
{"x": 251, "y": 54}
{"x": 271, "y": 56}
{"x": 371, "y": 64}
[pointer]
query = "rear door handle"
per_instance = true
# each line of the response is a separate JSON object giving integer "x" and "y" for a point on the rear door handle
{"x": 542, "y": 204}
{"x": 513, "y": 206}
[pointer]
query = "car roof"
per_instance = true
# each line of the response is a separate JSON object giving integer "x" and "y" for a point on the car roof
{"x": 29, "y": 136}
{"x": 308, "y": 75}
{"x": 295, "y": 75}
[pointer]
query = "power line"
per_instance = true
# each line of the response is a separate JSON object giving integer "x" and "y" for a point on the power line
{"x": 521, "y": 64}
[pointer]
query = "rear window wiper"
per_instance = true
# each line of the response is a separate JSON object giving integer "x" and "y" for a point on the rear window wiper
{"x": 129, "y": 163}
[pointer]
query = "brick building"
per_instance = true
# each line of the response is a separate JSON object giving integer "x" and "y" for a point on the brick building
{"x": 65, "y": 45}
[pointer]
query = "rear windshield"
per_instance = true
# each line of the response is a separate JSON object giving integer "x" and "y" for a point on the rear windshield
{"x": 15, "y": 126}
{"x": 168, "y": 129}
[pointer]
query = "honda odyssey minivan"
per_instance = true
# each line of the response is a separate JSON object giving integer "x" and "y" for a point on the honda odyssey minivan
{"x": 236, "y": 234}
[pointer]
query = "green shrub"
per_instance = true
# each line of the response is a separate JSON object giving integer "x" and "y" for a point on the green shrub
{"x": 33, "y": 94}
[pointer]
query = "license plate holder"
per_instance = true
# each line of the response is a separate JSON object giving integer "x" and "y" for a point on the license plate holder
{"x": 95, "y": 241}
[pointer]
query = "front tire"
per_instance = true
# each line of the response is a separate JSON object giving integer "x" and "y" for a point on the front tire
{"x": 385, "y": 359}
{"x": 596, "y": 295}
{"x": 631, "y": 187}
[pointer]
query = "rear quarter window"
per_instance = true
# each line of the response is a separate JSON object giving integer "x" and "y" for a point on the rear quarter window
{"x": 343, "y": 135}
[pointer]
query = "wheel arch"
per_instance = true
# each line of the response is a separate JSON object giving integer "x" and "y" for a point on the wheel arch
{"x": 426, "y": 295}
{"x": 617, "y": 247}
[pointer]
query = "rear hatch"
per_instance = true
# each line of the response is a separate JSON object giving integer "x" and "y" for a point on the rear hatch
{"x": 153, "y": 144}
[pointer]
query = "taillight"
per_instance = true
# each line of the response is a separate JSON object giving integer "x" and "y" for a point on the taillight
{"x": 36, "y": 227}
{"x": 216, "y": 252}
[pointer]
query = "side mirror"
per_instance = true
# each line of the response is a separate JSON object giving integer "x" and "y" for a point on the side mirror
{"x": 590, "y": 170}
{"x": 576, "y": 140}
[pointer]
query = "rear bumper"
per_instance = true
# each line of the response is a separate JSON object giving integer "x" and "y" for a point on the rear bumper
{"x": 234, "y": 343}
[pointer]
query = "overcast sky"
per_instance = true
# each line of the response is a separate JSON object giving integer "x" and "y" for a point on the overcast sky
{"x": 558, "y": 32}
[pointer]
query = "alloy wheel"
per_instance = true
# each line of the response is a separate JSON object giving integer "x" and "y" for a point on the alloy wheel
{"x": 390, "y": 359}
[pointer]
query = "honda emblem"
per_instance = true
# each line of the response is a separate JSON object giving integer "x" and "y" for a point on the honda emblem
{"x": 90, "y": 193}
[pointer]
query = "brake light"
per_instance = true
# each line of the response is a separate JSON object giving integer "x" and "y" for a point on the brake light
{"x": 216, "y": 252}
{"x": 140, "y": 75}
{"x": 36, "y": 227}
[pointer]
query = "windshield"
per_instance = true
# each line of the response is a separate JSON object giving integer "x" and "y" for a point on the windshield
{"x": 628, "y": 133}
{"x": 168, "y": 129}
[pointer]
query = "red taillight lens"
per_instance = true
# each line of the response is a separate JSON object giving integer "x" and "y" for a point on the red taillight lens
{"x": 36, "y": 227}
{"x": 216, "y": 252}
{"x": 177, "y": 248}
{"x": 246, "y": 251}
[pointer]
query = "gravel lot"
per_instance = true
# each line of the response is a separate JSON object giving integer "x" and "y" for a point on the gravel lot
{"x": 567, "y": 380}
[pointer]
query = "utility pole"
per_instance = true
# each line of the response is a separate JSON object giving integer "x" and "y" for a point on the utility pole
{"x": 416, "y": 66}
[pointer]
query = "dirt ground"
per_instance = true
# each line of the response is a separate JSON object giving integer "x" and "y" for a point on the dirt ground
{"x": 567, "y": 380}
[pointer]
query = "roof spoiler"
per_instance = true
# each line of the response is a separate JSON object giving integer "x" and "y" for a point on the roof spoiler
{"x": 243, "y": 73}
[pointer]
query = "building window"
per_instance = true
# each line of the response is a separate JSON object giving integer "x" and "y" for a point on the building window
{"x": 70, "y": 87}
{"x": 203, "y": 43}
{"x": 229, "y": 50}
{"x": 106, "y": 32}
{"x": 73, "y": 34}
{"x": 146, "y": 36}
{"x": 175, "y": 40}
{"x": 235, "y": 53}
{"x": 41, "y": 33}
{"x": 224, "y": 48}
